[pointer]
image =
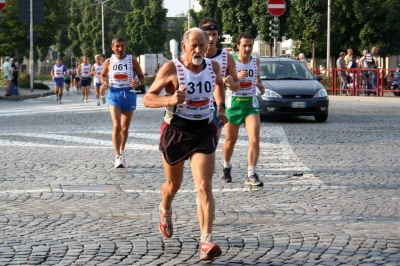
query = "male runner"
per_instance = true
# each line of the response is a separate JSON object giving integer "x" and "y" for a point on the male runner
{"x": 72, "y": 73}
{"x": 191, "y": 83}
{"x": 225, "y": 60}
{"x": 58, "y": 72}
{"x": 121, "y": 100}
{"x": 242, "y": 108}
{"x": 84, "y": 76}
{"x": 96, "y": 71}
{"x": 67, "y": 81}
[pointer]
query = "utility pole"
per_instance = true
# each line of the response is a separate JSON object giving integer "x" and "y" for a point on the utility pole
{"x": 102, "y": 24}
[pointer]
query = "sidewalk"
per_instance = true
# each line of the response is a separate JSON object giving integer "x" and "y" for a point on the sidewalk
{"x": 27, "y": 93}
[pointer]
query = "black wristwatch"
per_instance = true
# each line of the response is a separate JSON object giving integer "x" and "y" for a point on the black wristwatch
{"x": 222, "y": 105}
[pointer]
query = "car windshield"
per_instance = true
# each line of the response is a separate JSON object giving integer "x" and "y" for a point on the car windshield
{"x": 284, "y": 70}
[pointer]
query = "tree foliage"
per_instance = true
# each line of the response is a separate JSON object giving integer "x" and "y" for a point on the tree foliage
{"x": 12, "y": 37}
{"x": 236, "y": 19}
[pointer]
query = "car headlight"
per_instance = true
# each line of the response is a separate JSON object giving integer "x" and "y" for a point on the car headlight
{"x": 270, "y": 94}
{"x": 321, "y": 93}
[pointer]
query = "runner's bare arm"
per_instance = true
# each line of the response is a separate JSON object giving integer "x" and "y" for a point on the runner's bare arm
{"x": 219, "y": 92}
{"x": 92, "y": 70}
{"x": 167, "y": 80}
{"x": 232, "y": 80}
{"x": 259, "y": 82}
{"x": 104, "y": 74}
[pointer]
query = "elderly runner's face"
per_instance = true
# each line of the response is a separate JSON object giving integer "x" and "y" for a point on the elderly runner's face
{"x": 195, "y": 48}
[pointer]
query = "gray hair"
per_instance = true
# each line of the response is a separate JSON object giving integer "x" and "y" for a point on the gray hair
{"x": 7, "y": 58}
{"x": 301, "y": 56}
{"x": 117, "y": 39}
{"x": 185, "y": 37}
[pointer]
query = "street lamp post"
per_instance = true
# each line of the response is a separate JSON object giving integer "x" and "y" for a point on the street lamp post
{"x": 102, "y": 24}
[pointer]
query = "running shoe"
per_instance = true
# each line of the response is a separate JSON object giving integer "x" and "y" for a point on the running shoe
{"x": 118, "y": 162}
{"x": 60, "y": 102}
{"x": 83, "y": 97}
{"x": 98, "y": 103}
{"x": 56, "y": 97}
{"x": 253, "y": 181}
{"x": 122, "y": 156}
{"x": 103, "y": 100}
{"x": 226, "y": 174}
{"x": 165, "y": 225}
{"x": 208, "y": 249}
{"x": 86, "y": 101}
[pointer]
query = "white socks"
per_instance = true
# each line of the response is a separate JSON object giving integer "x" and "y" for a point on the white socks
{"x": 251, "y": 170}
{"x": 227, "y": 164}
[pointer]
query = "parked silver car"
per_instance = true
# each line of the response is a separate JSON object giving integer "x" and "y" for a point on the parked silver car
{"x": 291, "y": 90}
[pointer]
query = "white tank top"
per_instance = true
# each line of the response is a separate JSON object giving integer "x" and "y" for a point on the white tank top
{"x": 199, "y": 91}
{"x": 248, "y": 84}
{"x": 58, "y": 71}
{"x": 222, "y": 59}
{"x": 120, "y": 71}
{"x": 85, "y": 70}
{"x": 98, "y": 69}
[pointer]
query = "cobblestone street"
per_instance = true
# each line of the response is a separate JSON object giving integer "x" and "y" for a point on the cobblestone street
{"x": 331, "y": 192}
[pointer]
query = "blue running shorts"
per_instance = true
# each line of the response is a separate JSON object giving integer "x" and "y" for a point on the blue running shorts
{"x": 59, "y": 84}
{"x": 122, "y": 98}
{"x": 97, "y": 84}
{"x": 86, "y": 82}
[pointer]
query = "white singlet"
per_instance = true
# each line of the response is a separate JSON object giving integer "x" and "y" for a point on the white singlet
{"x": 120, "y": 71}
{"x": 199, "y": 92}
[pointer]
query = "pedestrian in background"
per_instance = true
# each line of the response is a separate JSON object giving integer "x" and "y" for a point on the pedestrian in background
{"x": 303, "y": 59}
{"x": 364, "y": 74}
{"x": 117, "y": 75}
{"x": 342, "y": 73}
{"x": 371, "y": 60}
{"x": 14, "y": 81}
{"x": 353, "y": 74}
{"x": 8, "y": 74}
{"x": 349, "y": 56}
{"x": 191, "y": 84}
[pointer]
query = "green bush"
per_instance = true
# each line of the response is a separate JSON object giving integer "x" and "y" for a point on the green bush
{"x": 36, "y": 85}
{"x": 42, "y": 77}
{"x": 149, "y": 80}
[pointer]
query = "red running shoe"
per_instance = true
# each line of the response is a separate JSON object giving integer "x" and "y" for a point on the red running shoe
{"x": 208, "y": 251}
{"x": 165, "y": 224}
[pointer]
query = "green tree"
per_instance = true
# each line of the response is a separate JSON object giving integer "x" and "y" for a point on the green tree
{"x": 134, "y": 21}
{"x": 236, "y": 19}
{"x": 379, "y": 25}
{"x": 153, "y": 30}
{"x": 307, "y": 23}
{"x": 12, "y": 37}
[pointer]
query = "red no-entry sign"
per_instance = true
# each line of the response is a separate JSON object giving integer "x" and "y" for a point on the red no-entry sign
{"x": 3, "y": 4}
{"x": 276, "y": 7}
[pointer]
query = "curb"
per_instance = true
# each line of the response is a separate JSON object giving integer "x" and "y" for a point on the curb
{"x": 25, "y": 97}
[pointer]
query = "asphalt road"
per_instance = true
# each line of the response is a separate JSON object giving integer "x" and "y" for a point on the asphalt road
{"x": 331, "y": 193}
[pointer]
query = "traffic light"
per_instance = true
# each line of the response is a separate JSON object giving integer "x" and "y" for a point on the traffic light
{"x": 274, "y": 29}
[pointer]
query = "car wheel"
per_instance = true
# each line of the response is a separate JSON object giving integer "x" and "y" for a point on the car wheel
{"x": 321, "y": 118}
{"x": 397, "y": 94}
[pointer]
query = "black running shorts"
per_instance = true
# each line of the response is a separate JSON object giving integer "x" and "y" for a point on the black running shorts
{"x": 177, "y": 145}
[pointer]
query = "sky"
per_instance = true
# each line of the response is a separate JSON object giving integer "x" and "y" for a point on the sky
{"x": 176, "y": 6}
